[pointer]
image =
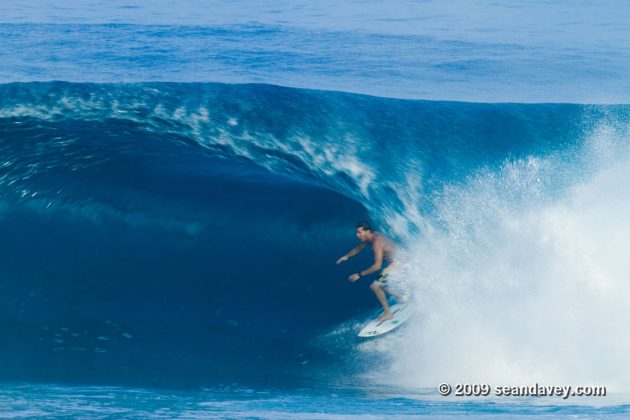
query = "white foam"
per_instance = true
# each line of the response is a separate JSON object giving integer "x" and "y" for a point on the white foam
{"x": 522, "y": 276}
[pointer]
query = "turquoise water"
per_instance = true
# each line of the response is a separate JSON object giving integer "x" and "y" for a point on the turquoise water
{"x": 50, "y": 401}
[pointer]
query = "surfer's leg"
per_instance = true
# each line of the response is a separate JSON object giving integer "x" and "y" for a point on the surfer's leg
{"x": 383, "y": 280}
{"x": 400, "y": 296}
{"x": 391, "y": 291}
{"x": 380, "y": 295}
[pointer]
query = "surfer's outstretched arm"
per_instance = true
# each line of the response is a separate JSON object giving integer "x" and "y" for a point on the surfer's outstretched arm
{"x": 354, "y": 251}
{"x": 378, "y": 263}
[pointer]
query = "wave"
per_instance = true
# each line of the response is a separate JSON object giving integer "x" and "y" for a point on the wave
{"x": 170, "y": 232}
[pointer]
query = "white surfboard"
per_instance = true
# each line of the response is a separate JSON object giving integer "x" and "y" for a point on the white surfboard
{"x": 402, "y": 312}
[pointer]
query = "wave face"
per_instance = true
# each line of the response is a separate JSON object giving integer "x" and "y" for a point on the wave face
{"x": 180, "y": 234}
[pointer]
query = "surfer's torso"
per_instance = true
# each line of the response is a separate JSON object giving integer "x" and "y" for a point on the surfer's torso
{"x": 388, "y": 247}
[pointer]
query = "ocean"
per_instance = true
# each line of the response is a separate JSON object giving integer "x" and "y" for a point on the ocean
{"x": 178, "y": 181}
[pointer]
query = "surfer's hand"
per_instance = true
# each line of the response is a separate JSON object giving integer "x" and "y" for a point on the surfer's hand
{"x": 342, "y": 259}
{"x": 354, "y": 277}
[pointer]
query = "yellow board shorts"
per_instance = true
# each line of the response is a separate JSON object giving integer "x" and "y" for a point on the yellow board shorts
{"x": 382, "y": 279}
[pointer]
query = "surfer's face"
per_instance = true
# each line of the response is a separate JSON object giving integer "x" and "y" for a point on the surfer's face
{"x": 363, "y": 235}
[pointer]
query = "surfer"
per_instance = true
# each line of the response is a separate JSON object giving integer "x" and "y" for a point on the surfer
{"x": 384, "y": 249}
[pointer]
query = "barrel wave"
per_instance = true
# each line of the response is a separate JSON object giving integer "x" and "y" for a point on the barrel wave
{"x": 186, "y": 234}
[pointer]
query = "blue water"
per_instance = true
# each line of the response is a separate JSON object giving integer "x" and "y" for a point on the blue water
{"x": 176, "y": 184}
{"x": 489, "y": 51}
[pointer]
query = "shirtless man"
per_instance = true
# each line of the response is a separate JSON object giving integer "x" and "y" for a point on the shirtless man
{"x": 384, "y": 249}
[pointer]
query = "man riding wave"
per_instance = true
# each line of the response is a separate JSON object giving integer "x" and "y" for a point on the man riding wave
{"x": 384, "y": 251}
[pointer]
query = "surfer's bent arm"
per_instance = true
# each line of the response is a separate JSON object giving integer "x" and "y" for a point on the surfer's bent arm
{"x": 378, "y": 261}
{"x": 354, "y": 251}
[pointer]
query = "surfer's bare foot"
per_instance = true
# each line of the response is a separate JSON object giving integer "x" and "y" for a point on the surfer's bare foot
{"x": 385, "y": 316}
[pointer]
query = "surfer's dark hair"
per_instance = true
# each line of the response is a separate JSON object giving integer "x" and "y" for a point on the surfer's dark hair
{"x": 364, "y": 225}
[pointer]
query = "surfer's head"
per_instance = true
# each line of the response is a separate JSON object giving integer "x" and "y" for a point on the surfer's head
{"x": 364, "y": 231}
